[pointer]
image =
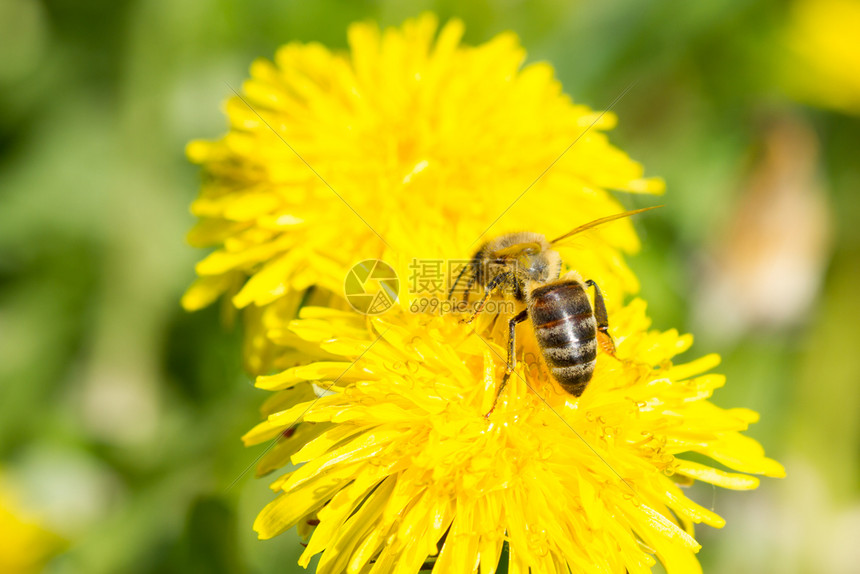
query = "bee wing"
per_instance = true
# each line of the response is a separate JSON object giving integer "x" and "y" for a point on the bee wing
{"x": 601, "y": 221}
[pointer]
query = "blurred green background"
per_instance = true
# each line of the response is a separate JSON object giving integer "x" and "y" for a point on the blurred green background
{"x": 120, "y": 414}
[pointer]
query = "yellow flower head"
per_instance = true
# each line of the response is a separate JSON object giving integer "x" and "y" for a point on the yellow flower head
{"x": 400, "y": 467}
{"x": 412, "y": 146}
{"x": 333, "y": 158}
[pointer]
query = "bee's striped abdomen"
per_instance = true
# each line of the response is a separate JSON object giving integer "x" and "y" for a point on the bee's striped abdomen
{"x": 566, "y": 331}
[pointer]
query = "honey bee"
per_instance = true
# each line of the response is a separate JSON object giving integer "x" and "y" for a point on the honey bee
{"x": 568, "y": 329}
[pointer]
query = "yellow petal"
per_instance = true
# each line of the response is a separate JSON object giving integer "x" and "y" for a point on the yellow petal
{"x": 715, "y": 476}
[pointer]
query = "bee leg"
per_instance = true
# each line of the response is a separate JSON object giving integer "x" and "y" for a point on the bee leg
{"x": 604, "y": 339}
{"x": 456, "y": 281}
{"x": 468, "y": 290}
{"x": 497, "y": 280}
{"x": 512, "y": 357}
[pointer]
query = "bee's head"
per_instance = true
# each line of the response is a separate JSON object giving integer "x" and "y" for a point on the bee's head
{"x": 532, "y": 260}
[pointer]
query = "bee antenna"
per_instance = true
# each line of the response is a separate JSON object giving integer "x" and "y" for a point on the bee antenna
{"x": 601, "y": 221}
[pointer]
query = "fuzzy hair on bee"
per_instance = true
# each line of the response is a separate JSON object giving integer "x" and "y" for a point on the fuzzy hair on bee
{"x": 534, "y": 260}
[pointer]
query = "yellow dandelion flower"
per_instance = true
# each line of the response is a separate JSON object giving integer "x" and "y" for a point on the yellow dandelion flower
{"x": 824, "y": 54}
{"x": 415, "y": 146}
{"x": 333, "y": 158}
{"x": 400, "y": 467}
